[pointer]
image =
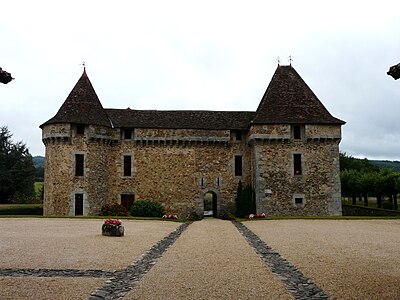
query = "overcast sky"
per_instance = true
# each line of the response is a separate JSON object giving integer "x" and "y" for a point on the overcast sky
{"x": 203, "y": 55}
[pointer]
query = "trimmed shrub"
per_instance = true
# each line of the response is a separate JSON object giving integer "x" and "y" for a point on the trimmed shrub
{"x": 147, "y": 208}
{"x": 226, "y": 215}
{"x": 114, "y": 209}
{"x": 21, "y": 209}
{"x": 245, "y": 201}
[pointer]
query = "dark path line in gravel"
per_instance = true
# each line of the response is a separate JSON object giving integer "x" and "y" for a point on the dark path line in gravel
{"x": 298, "y": 285}
{"x": 15, "y": 272}
{"x": 120, "y": 284}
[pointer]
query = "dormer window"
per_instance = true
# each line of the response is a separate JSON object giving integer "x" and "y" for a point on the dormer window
{"x": 127, "y": 134}
{"x": 238, "y": 135}
{"x": 297, "y": 132}
{"x": 80, "y": 128}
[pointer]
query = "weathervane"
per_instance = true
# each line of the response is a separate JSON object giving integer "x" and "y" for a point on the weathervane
{"x": 291, "y": 59}
{"x": 278, "y": 60}
{"x": 83, "y": 63}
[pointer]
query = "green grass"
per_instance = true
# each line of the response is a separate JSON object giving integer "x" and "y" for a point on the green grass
{"x": 38, "y": 188}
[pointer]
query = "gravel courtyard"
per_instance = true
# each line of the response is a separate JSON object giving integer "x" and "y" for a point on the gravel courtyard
{"x": 357, "y": 259}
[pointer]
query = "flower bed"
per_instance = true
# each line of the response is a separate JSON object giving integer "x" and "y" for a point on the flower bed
{"x": 255, "y": 216}
{"x": 112, "y": 227}
{"x": 170, "y": 216}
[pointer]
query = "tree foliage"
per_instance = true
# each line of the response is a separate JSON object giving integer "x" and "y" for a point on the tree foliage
{"x": 17, "y": 172}
{"x": 359, "y": 178}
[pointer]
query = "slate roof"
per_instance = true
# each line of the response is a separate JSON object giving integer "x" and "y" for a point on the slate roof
{"x": 185, "y": 119}
{"x": 81, "y": 106}
{"x": 289, "y": 100}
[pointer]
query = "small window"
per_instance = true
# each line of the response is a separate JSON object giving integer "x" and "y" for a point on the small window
{"x": 297, "y": 132}
{"x": 79, "y": 164}
{"x": 127, "y": 134}
{"x": 80, "y": 128}
{"x": 298, "y": 201}
{"x": 238, "y": 165}
{"x": 297, "y": 164}
{"x": 78, "y": 204}
{"x": 238, "y": 135}
{"x": 127, "y": 165}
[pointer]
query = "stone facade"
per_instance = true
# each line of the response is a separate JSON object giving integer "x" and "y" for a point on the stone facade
{"x": 293, "y": 167}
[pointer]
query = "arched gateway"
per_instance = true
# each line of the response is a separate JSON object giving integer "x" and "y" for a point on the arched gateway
{"x": 210, "y": 204}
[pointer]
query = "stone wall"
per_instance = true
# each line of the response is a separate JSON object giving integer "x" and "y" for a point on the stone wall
{"x": 61, "y": 184}
{"x": 179, "y": 173}
{"x": 276, "y": 184}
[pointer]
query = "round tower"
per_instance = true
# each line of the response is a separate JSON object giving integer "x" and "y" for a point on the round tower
{"x": 77, "y": 141}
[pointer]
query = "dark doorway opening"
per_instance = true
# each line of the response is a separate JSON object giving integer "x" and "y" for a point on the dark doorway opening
{"x": 78, "y": 204}
{"x": 127, "y": 200}
{"x": 210, "y": 204}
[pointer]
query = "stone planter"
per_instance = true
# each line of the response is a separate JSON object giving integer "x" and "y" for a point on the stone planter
{"x": 113, "y": 230}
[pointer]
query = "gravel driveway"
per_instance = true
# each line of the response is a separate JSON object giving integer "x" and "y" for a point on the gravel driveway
{"x": 357, "y": 259}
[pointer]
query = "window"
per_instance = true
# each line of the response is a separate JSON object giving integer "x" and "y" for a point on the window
{"x": 79, "y": 164}
{"x": 127, "y": 200}
{"x": 297, "y": 164}
{"x": 78, "y": 204}
{"x": 80, "y": 128}
{"x": 238, "y": 135}
{"x": 127, "y": 165}
{"x": 127, "y": 134}
{"x": 296, "y": 132}
{"x": 298, "y": 201}
{"x": 238, "y": 165}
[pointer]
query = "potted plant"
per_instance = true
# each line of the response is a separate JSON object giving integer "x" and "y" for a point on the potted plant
{"x": 112, "y": 227}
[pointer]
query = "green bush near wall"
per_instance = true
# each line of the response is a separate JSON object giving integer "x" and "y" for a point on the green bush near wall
{"x": 21, "y": 209}
{"x": 147, "y": 208}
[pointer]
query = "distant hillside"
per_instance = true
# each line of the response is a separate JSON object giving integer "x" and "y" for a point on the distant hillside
{"x": 38, "y": 161}
{"x": 387, "y": 164}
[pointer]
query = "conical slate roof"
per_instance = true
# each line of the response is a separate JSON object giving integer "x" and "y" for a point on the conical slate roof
{"x": 81, "y": 106}
{"x": 289, "y": 100}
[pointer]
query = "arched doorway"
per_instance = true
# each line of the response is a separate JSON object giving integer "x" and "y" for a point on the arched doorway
{"x": 210, "y": 204}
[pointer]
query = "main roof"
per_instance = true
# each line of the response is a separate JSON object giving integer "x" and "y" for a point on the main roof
{"x": 287, "y": 100}
{"x": 185, "y": 119}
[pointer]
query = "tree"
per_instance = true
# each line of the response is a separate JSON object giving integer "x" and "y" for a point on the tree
{"x": 245, "y": 201}
{"x": 351, "y": 163}
{"x": 17, "y": 172}
{"x": 365, "y": 184}
{"x": 350, "y": 183}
